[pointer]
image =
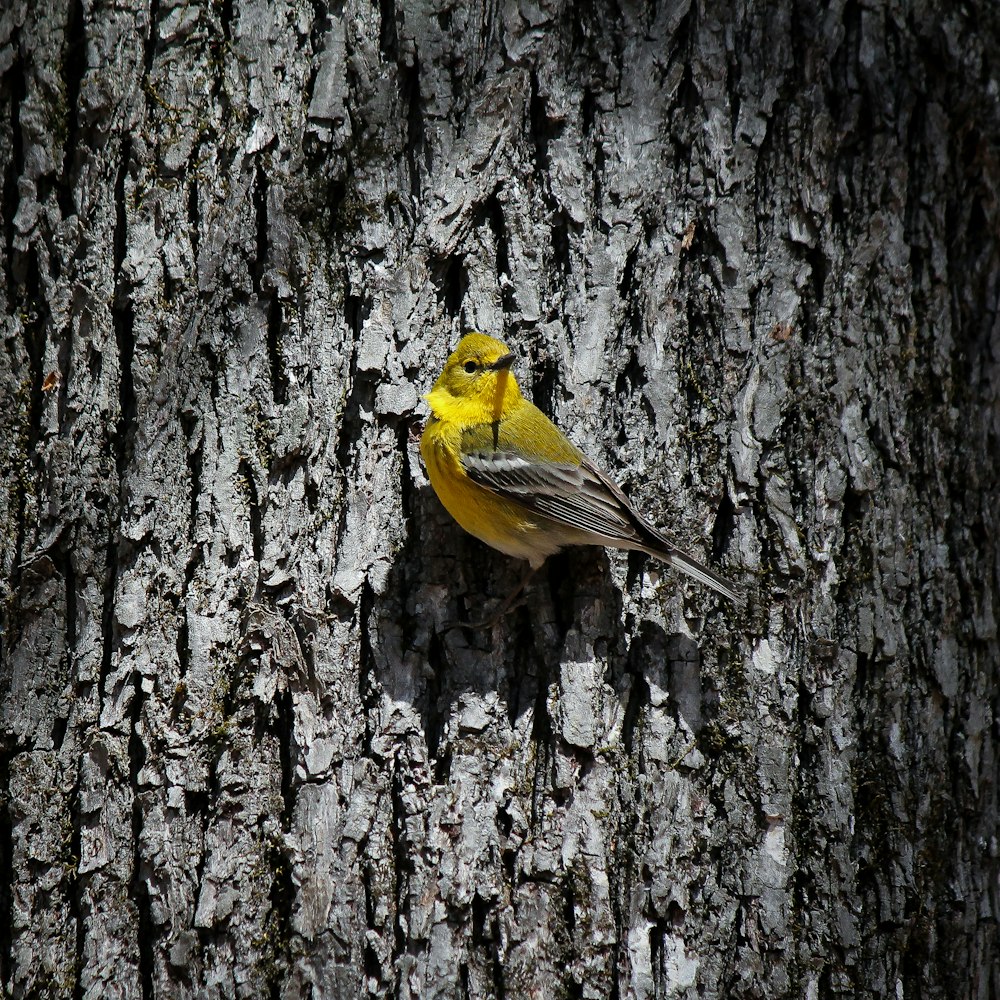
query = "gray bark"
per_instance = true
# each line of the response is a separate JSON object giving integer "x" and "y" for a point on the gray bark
{"x": 748, "y": 261}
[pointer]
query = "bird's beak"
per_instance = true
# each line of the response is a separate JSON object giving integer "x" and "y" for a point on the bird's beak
{"x": 503, "y": 363}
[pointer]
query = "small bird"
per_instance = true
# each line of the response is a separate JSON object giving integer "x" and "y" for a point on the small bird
{"x": 510, "y": 477}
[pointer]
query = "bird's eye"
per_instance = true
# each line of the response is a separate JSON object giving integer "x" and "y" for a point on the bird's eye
{"x": 471, "y": 367}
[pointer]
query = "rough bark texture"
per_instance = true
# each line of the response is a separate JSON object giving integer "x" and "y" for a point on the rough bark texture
{"x": 749, "y": 261}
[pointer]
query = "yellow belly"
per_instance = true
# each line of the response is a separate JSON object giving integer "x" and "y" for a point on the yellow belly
{"x": 508, "y": 527}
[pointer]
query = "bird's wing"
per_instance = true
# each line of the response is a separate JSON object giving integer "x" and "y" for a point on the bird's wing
{"x": 528, "y": 461}
{"x": 532, "y": 464}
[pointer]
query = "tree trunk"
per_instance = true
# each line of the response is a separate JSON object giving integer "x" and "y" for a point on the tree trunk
{"x": 747, "y": 260}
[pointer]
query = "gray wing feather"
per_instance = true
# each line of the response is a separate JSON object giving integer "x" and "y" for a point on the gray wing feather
{"x": 583, "y": 497}
{"x": 576, "y": 495}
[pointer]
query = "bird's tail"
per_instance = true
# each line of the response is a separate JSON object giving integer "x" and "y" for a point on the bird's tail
{"x": 699, "y": 572}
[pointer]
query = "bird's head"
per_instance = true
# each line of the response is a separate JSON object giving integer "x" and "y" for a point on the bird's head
{"x": 477, "y": 379}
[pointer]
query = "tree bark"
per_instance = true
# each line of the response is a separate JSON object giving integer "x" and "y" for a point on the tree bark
{"x": 747, "y": 260}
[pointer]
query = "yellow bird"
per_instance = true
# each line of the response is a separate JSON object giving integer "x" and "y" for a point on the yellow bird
{"x": 510, "y": 477}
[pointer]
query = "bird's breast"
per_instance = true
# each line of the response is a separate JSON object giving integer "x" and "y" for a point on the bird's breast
{"x": 506, "y": 526}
